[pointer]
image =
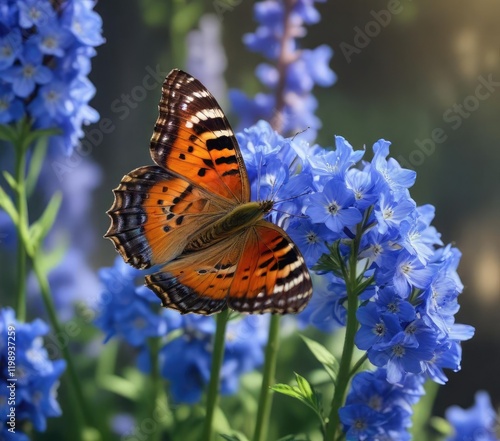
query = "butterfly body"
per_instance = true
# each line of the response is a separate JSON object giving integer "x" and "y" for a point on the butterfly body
{"x": 238, "y": 219}
{"x": 192, "y": 215}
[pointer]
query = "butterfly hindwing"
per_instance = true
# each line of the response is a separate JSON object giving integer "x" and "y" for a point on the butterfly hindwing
{"x": 193, "y": 138}
{"x": 198, "y": 282}
{"x": 271, "y": 275}
{"x": 260, "y": 270}
{"x": 155, "y": 214}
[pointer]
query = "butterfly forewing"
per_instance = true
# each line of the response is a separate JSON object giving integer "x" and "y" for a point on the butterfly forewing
{"x": 193, "y": 138}
{"x": 155, "y": 214}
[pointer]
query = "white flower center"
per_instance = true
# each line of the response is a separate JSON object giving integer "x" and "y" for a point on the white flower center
{"x": 333, "y": 208}
{"x": 388, "y": 213}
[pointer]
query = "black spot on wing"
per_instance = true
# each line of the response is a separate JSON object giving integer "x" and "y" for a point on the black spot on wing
{"x": 233, "y": 171}
{"x": 220, "y": 143}
{"x": 227, "y": 160}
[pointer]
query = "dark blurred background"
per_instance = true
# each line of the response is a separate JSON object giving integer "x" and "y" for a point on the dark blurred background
{"x": 415, "y": 78}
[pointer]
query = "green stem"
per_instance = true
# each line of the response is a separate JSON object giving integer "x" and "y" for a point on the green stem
{"x": 154, "y": 345}
{"x": 23, "y": 224}
{"x": 25, "y": 250}
{"x": 422, "y": 411}
{"x": 345, "y": 372}
{"x": 266, "y": 397}
{"x": 81, "y": 411}
{"x": 358, "y": 365}
{"x": 213, "y": 386}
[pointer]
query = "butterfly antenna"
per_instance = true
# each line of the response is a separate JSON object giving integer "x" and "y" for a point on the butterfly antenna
{"x": 291, "y": 198}
{"x": 300, "y": 133}
{"x": 300, "y": 216}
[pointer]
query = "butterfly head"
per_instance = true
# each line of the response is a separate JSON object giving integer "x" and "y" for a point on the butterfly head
{"x": 266, "y": 206}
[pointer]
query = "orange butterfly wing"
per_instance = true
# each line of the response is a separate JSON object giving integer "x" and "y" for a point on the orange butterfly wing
{"x": 271, "y": 275}
{"x": 193, "y": 139}
{"x": 155, "y": 214}
{"x": 260, "y": 270}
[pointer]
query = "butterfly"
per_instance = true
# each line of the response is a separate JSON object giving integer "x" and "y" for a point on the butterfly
{"x": 191, "y": 216}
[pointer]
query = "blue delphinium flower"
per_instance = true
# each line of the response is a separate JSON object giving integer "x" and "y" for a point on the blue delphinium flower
{"x": 37, "y": 41}
{"x": 10, "y": 43}
{"x": 325, "y": 311}
{"x": 277, "y": 170}
{"x": 478, "y": 423}
{"x": 377, "y": 409}
{"x": 292, "y": 72}
{"x": 334, "y": 206}
{"x": 122, "y": 424}
{"x": 125, "y": 307}
{"x": 11, "y": 108}
{"x": 407, "y": 325}
{"x": 186, "y": 360}
{"x": 34, "y": 380}
{"x": 29, "y": 73}
{"x": 45, "y": 52}
{"x": 311, "y": 238}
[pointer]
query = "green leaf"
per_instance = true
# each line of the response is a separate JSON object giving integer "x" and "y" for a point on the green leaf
{"x": 7, "y": 204}
{"x": 324, "y": 356}
{"x": 220, "y": 422}
{"x": 7, "y": 133}
{"x": 422, "y": 411}
{"x": 286, "y": 389}
{"x": 51, "y": 258}
{"x": 40, "y": 134}
{"x": 10, "y": 180}
{"x": 294, "y": 438}
{"x": 36, "y": 162}
{"x": 304, "y": 387}
{"x": 331, "y": 262}
{"x": 441, "y": 426}
{"x": 235, "y": 436}
{"x": 120, "y": 386}
{"x": 42, "y": 226}
{"x": 304, "y": 393}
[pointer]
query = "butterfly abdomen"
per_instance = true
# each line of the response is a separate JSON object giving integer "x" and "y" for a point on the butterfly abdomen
{"x": 240, "y": 218}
